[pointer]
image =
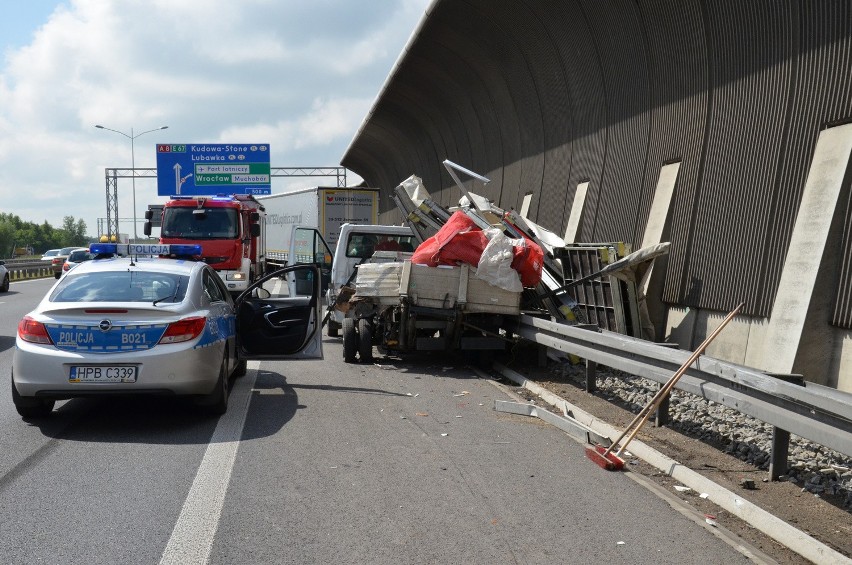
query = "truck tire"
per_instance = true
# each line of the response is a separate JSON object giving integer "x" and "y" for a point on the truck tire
{"x": 350, "y": 340}
{"x": 365, "y": 341}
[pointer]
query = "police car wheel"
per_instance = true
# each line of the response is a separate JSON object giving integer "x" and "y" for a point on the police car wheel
{"x": 350, "y": 340}
{"x": 216, "y": 403}
{"x": 31, "y": 407}
{"x": 241, "y": 368}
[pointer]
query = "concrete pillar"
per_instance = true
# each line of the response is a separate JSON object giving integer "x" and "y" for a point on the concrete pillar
{"x": 576, "y": 215}
{"x": 650, "y": 289}
{"x": 799, "y": 296}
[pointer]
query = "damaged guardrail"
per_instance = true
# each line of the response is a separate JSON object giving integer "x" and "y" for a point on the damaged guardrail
{"x": 818, "y": 413}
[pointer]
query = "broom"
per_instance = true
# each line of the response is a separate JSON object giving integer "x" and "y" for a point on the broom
{"x": 603, "y": 457}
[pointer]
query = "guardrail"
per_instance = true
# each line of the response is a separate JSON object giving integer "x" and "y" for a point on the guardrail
{"x": 20, "y": 269}
{"x": 818, "y": 413}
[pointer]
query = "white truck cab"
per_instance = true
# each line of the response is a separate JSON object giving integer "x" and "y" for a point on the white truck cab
{"x": 355, "y": 245}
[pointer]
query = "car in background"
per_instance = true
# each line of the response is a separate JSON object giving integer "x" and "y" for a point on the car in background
{"x": 149, "y": 325}
{"x": 76, "y": 257}
{"x": 58, "y": 260}
{"x": 50, "y": 254}
{"x": 4, "y": 277}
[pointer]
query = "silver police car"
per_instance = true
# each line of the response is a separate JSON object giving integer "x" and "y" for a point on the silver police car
{"x": 146, "y": 325}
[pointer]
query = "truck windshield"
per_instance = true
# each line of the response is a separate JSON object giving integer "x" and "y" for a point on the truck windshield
{"x": 200, "y": 223}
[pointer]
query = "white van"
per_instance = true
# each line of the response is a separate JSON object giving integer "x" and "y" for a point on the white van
{"x": 355, "y": 245}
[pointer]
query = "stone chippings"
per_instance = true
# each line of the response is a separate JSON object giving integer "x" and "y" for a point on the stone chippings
{"x": 817, "y": 469}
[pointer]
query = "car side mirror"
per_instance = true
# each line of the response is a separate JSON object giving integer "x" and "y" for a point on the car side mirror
{"x": 261, "y": 292}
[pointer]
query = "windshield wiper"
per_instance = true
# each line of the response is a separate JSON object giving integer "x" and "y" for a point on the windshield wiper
{"x": 173, "y": 296}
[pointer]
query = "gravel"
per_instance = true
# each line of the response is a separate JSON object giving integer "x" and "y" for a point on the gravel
{"x": 816, "y": 468}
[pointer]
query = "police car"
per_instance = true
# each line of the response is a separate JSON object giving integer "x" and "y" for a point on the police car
{"x": 145, "y": 324}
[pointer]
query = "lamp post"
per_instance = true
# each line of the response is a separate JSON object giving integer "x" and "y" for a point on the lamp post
{"x": 132, "y": 137}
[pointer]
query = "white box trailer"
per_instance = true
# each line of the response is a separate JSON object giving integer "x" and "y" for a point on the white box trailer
{"x": 324, "y": 208}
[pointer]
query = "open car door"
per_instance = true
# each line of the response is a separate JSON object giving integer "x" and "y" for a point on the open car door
{"x": 307, "y": 246}
{"x": 274, "y": 324}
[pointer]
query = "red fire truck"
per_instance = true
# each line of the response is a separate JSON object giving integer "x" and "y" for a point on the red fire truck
{"x": 230, "y": 229}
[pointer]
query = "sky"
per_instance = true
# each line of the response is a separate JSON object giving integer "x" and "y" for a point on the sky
{"x": 298, "y": 75}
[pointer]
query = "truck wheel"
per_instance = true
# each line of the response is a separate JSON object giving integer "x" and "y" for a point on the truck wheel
{"x": 333, "y": 328}
{"x": 365, "y": 340}
{"x": 350, "y": 340}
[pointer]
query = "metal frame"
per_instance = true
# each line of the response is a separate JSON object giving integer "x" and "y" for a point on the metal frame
{"x": 112, "y": 174}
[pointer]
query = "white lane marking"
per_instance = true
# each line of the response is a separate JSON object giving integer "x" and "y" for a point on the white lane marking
{"x": 194, "y": 532}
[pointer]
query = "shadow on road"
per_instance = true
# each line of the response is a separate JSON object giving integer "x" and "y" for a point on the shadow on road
{"x": 157, "y": 420}
{"x": 6, "y": 342}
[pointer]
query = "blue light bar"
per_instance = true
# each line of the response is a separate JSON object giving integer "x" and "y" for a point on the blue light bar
{"x": 184, "y": 249}
{"x": 99, "y": 248}
{"x": 145, "y": 249}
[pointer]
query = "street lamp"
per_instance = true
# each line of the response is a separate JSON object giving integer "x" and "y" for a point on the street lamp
{"x": 132, "y": 137}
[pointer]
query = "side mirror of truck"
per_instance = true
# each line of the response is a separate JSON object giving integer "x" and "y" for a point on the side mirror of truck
{"x": 254, "y": 217}
{"x": 255, "y": 230}
{"x": 146, "y": 227}
{"x": 149, "y": 214}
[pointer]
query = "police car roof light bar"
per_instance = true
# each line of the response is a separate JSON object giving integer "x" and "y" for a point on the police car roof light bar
{"x": 179, "y": 250}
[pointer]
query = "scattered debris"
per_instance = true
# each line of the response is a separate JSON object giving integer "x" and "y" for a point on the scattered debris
{"x": 704, "y": 495}
{"x": 680, "y": 488}
{"x": 747, "y": 484}
{"x": 422, "y": 413}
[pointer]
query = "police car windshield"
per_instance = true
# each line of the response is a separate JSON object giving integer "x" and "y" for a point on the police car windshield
{"x": 200, "y": 223}
{"x": 127, "y": 286}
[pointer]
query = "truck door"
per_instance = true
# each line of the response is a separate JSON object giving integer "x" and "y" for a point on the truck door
{"x": 307, "y": 246}
{"x": 273, "y": 324}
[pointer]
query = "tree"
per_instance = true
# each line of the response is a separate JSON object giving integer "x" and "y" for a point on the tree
{"x": 7, "y": 237}
{"x": 15, "y": 232}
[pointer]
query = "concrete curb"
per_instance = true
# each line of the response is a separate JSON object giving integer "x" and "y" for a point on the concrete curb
{"x": 760, "y": 519}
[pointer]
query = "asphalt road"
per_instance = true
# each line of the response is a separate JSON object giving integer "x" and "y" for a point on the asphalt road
{"x": 319, "y": 461}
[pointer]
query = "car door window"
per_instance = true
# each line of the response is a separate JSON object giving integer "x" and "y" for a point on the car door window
{"x": 212, "y": 290}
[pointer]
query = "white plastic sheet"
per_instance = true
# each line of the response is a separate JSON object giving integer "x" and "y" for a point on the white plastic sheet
{"x": 495, "y": 264}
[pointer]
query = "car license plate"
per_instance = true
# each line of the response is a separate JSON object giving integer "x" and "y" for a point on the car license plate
{"x": 103, "y": 374}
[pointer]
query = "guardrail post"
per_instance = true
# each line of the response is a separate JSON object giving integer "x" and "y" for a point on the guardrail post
{"x": 781, "y": 438}
{"x": 662, "y": 416}
{"x": 591, "y": 376}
